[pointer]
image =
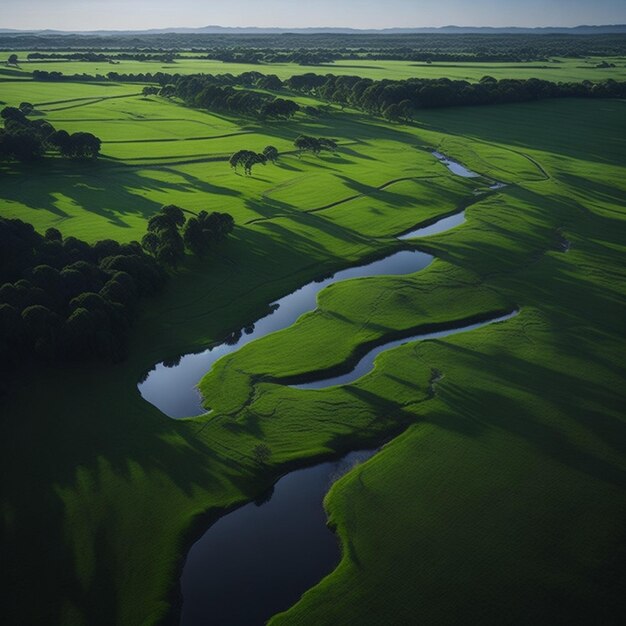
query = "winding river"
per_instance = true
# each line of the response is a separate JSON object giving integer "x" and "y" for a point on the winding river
{"x": 173, "y": 389}
{"x": 258, "y": 560}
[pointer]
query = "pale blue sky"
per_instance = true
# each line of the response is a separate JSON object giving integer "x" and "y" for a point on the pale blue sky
{"x": 139, "y": 14}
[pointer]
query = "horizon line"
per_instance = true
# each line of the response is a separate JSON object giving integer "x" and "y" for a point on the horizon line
{"x": 288, "y": 28}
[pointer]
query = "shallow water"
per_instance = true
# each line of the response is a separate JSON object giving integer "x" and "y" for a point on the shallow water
{"x": 258, "y": 560}
{"x": 440, "y": 226}
{"x": 173, "y": 389}
{"x": 454, "y": 167}
{"x": 366, "y": 364}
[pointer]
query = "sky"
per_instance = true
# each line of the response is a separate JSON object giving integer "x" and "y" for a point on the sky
{"x": 142, "y": 14}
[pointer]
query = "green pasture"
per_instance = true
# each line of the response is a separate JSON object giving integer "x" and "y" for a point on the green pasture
{"x": 158, "y": 152}
{"x": 559, "y": 69}
{"x": 508, "y": 482}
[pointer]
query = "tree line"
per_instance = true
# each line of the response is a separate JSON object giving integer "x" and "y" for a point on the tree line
{"x": 398, "y": 99}
{"x": 63, "y": 299}
{"x": 25, "y": 140}
{"x": 287, "y": 47}
{"x": 97, "y": 57}
{"x": 392, "y": 99}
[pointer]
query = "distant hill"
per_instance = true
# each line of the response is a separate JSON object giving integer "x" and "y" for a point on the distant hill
{"x": 227, "y": 30}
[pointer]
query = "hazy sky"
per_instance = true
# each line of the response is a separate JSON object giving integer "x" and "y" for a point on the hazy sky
{"x": 139, "y": 14}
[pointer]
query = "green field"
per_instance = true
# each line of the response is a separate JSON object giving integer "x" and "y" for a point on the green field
{"x": 557, "y": 69}
{"x": 503, "y": 499}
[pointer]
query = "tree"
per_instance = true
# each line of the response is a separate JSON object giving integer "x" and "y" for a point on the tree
{"x": 84, "y": 145}
{"x": 12, "y": 60}
{"x": 327, "y": 144}
{"x": 174, "y": 213}
{"x": 195, "y": 237}
{"x": 240, "y": 158}
{"x": 150, "y": 242}
{"x": 60, "y": 140}
{"x": 167, "y": 91}
{"x": 270, "y": 153}
{"x": 169, "y": 254}
{"x": 40, "y": 325}
{"x": 304, "y": 143}
{"x": 253, "y": 160}
{"x": 393, "y": 112}
{"x": 26, "y": 108}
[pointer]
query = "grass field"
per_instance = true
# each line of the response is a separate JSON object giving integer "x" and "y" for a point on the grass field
{"x": 502, "y": 502}
{"x": 156, "y": 152}
{"x": 558, "y": 69}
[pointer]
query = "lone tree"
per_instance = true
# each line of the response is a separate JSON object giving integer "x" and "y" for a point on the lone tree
{"x": 270, "y": 153}
{"x": 12, "y": 60}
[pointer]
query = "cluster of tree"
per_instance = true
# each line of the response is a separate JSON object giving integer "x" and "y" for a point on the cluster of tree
{"x": 220, "y": 94}
{"x": 304, "y": 143}
{"x": 169, "y": 233}
{"x": 64, "y": 299}
{"x": 25, "y": 140}
{"x": 203, "y": 232}
{"x": 396, "y": 99}
{"x": 248, "y": 158}
{"x": 324, "y": 47}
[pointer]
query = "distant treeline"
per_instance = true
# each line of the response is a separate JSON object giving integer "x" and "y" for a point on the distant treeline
{"x": 22, "y": 139}
{"x": 62, "y": 299}
{"x": 96, "y": 57}
{"x": 332, "y": 46}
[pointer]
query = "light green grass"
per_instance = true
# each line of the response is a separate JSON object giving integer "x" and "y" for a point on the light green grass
{"x": 158, "y": 152}
{"x": 562, "y": 70}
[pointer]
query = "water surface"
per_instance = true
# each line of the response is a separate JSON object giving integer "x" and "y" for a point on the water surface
{"x": 258, "y": 560}
{"x": 440, "y": 226}
{"x": 454, "y": 167}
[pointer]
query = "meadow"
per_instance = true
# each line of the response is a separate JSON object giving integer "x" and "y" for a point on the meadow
{"x": 553, "y": 69}
{"x": 507, "y": 481}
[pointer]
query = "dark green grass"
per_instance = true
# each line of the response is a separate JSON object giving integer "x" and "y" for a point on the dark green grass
{"x": 502, "y": 503}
